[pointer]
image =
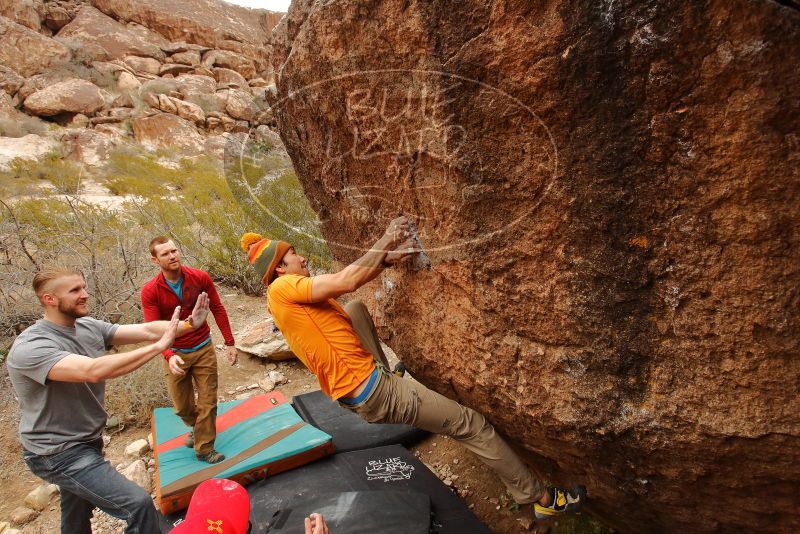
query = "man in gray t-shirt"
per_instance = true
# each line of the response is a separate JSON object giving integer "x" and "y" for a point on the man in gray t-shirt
{"x": 58, "y": 369}
{"x": 58, "y": 414}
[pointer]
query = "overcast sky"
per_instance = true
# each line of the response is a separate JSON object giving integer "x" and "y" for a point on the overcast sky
{"x": 272, "y": 5}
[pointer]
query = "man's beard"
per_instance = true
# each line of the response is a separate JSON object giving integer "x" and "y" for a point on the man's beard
{"x": 72, "y": 311}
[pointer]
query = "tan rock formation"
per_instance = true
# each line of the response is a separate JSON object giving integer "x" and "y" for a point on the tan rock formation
{"x": 55, "y": 17}
{"x": 10, "y": 81}
{"x": 229, "y": 78}
{"x": 190, "y": 111}
{"x": 139, "y": 64}
{"x": 240, "y": 104}
{"x": 6, "y": 105}
{"x": 40, "y": 52}
{"x": 28, "y": 13}
{"x": 164, "y": 130}
{"x": 41, "y": 81}
{"x": 93, "y": 28}
{"x": 167, "y": 104}
{"x": 229, "y": 60}
{"x": 70, "y": 96}
{"x": 189, "y": 57}
{"x": 212, "y": 23}
{"x": 147, "y": 35}
{"x": 127, "y": 82}
{"x": 195, "y": 84}
{"x": 174, "y": 69}
{"x": 182, "y": 46}
{"x": 608, "y": 193}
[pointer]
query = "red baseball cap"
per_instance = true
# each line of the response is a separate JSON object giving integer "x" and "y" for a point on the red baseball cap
{"x": 218, "y": 506}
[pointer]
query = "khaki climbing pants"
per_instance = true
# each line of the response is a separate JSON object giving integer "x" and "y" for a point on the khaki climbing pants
{"x": 201, "y": 373}
{"x": 404, "y": 401}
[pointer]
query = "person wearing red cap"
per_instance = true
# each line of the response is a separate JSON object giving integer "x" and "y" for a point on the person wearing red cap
{"x": 223, "y": 507}
{"x": 335, "y": 345}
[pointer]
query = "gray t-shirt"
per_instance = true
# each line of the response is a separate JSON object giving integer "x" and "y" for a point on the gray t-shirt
{"x": 58, "y": 415}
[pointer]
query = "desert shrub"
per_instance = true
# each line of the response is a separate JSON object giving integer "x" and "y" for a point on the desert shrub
{"x": 136, "y": 394}
{"x": 51, "y": 170}
{"x": 61, "y": 230}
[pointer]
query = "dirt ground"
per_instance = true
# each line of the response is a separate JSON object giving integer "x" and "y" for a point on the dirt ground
{"x": 474, "y": 483}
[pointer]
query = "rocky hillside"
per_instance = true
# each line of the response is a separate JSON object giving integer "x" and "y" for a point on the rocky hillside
{"x": 85, "y": 76}
{"x": 608, "y": 194}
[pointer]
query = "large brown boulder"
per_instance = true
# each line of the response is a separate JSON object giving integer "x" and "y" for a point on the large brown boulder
{"x": 213, "y": 23}
{"x": 28, "y": 52}
{"x": 91, "y": 28}
{"x": 28, "y": 13}
{"x": 70, "y": 96}
{"x": 164, "y": 130}
{"x": 229, "y": 60}
{"x": 608, "y": 194}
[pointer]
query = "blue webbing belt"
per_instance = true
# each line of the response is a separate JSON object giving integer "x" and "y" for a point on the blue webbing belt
{"x": 373, "y": 378}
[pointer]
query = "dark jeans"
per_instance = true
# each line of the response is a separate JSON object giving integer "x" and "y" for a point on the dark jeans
{"x": 86, "y": 481}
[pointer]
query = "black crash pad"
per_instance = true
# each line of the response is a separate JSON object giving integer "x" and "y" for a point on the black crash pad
{"x": 359, "y": 512}
{"x": 349, "y": 431}
{"x": 390, "y": 468}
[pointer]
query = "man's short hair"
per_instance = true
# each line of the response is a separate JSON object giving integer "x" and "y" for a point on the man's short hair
{"x": 158, "y": 240}
{"x": 41, "y": 279}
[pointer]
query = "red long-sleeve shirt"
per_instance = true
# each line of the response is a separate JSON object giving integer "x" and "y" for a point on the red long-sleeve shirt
{"x": 159, "y": 301}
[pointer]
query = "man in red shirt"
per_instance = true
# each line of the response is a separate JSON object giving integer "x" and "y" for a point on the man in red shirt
{"x": 191, "y": 361}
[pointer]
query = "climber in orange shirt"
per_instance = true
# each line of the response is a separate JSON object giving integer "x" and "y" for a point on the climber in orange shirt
{"x": 341, "y": 347}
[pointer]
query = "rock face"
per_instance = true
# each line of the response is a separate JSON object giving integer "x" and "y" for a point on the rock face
{"x": 40, "y": 52}
{"x": 108, "y": 72}
{"x": 30, "y": 146}
{"x": 111, "y": 39}
{"x": 164, "y": 130}
{"x": 70, "y": 96}
{"x": 26, "y": 12}
{"x": 207, "y": 22}
{"x": 608, "y": 195}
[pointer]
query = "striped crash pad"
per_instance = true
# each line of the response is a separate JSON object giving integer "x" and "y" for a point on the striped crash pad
{"x": 259, "y": 436}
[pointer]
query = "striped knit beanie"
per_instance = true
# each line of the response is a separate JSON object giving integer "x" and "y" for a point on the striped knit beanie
{"x": 264, "y": 254}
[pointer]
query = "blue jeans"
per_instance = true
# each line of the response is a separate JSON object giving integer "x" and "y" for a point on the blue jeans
{"x": 86, "y": 481}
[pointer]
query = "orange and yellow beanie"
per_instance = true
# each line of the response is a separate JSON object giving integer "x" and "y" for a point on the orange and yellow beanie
{"x": 264, "y": 254}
